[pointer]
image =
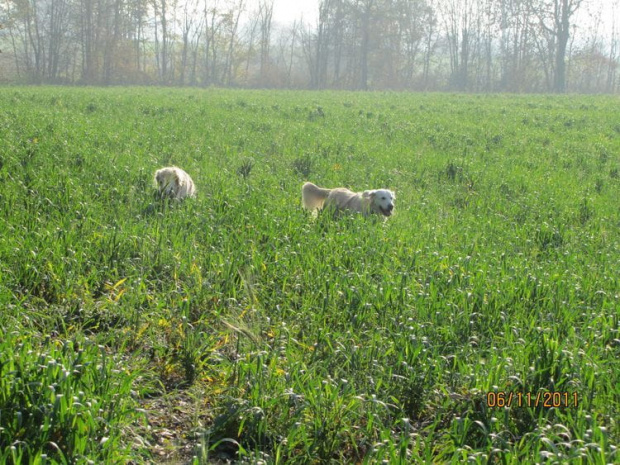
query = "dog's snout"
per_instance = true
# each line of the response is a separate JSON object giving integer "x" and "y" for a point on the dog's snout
{"x": 390, "y": 207}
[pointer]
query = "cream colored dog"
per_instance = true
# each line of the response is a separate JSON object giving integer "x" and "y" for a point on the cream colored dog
{"x": 379, "y": 201}
{"x": 175, "y": 183}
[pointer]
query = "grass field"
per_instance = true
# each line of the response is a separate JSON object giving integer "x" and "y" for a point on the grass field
{"x": 233, "y": 326}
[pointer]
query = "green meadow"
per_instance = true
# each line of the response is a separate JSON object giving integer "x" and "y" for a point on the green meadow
{"x": 479, "y": 323}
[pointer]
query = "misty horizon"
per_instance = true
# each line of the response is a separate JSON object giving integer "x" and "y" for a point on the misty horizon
{"x": 416, "y": 45}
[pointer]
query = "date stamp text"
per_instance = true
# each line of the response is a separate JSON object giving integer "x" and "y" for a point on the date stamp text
{"x": 544, "y": 399}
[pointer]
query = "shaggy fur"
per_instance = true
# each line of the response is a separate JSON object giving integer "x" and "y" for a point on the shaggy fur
{"x": 379, "y": 201}
{"x": 175, "y": 183}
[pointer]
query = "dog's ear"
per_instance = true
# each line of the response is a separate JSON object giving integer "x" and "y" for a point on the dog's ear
{"x": 369, "y": 194}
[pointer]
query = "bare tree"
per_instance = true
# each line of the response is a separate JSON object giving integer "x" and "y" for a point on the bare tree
{"x": 164, "y": 37}
{"x": 319, "y": 61}
{"x": 457, "y": 16}
{"x": 294, "y": 33}
{"x": 212, "y": 25}
{"x": 34, "y": 41}
{"x": 285, "y": 57}
{"x": 190, "y": 33}
{"x": 137, "y": 32}
{"x": 233, "y": 18}
{"x": 414, "y": 22}
{"x": 365, "y": 10}
{"x": 250, "y": 52}
{"x": 614, "y": 43}
{"x": 430, "y": 41}
{"x": 554, "y": 18}
{"x": 516, "y": 44}
{"x": 265, "y": 14}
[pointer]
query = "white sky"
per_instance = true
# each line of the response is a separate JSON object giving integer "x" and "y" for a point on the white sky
{"x": 287, "y": 11}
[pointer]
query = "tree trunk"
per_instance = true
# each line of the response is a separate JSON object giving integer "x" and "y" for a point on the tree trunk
{"x": 563, "y": 34}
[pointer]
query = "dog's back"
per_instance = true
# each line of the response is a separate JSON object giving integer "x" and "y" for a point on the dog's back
{"x": 186, "y": 185}
{"x": 313, "y": 196}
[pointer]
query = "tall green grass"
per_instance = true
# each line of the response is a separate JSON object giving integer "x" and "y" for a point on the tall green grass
{"x": 233, "y": 326}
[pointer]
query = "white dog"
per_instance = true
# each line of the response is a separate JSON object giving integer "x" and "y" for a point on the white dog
{"x": 175, "y": 183}
{"x": 379, "y": 201}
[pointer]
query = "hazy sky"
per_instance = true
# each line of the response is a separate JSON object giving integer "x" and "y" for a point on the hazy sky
{"x": 287, "y": 11}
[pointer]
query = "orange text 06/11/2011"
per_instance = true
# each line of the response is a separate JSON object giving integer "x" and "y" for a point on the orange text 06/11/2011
{"x": 544, "y": 399}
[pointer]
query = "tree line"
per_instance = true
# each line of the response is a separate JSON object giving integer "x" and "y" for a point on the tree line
{"x": 463, "y": 45}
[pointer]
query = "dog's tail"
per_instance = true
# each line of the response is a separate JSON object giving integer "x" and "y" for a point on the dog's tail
{"x": 313, "y": 196}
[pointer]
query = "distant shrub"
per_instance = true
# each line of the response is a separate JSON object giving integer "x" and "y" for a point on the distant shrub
{"x": 303, "y": 165}
{"x": 245, "y": 168}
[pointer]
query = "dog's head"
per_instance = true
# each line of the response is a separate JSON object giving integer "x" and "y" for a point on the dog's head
{"x": 382, "y": 201}
{"x": 166, "y": 176}
{"x": 159, "y": 178}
